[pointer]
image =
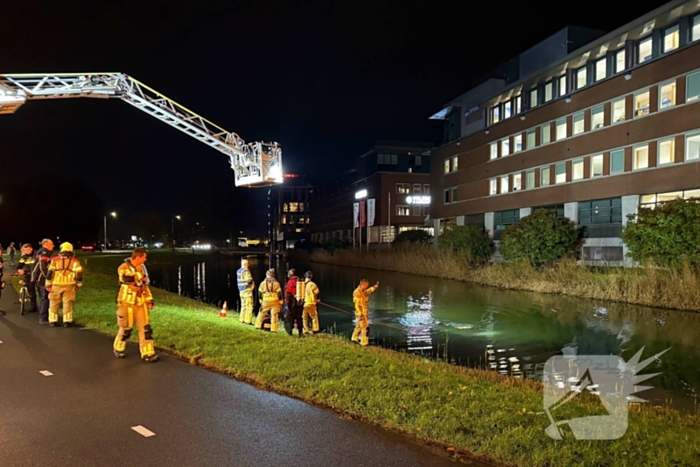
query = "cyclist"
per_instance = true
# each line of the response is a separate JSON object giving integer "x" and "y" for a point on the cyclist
{"x": 11, "y": 252}
{"x": 24, "y": 271}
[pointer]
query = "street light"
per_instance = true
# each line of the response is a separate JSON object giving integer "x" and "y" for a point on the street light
{"x": 172, "y": 228}
{"x": 113, "y": 214}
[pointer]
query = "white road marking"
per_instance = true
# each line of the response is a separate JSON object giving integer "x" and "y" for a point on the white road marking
{"x": 145, "y": 432}
{"x": 46, "y": 373}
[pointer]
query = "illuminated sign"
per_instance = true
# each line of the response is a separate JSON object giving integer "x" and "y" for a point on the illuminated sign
{"x": 418, "y": 199}
{"x": 361, "y": 194}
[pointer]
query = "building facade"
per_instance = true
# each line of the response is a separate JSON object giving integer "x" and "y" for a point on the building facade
{"x": 292, "y": 214}
{"x": 391, "y": 184}
{"x": 591, "y": 135}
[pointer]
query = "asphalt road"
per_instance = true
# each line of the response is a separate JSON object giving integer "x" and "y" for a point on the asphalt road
{"x": 84, "y": 412}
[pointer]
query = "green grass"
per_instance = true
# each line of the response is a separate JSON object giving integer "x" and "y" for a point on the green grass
{"x": 474, "y": 412}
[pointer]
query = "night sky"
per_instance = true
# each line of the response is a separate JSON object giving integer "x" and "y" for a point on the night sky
{"x": 324, "y": 81}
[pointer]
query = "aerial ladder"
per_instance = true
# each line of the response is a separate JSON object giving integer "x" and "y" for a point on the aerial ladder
{"x": 254, "y": 164}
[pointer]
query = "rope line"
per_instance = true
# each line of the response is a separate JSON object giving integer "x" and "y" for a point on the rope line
{"x": 353, "y": 314}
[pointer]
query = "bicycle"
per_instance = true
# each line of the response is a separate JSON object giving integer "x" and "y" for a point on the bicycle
{"x": 23, "y": 294}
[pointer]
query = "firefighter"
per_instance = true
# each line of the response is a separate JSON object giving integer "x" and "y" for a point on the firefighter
{"x": 294, "y": 310}
{"x": 64, "y": 280}
{"x": 42, "y": 260}
{"x": 360, "y": 298}
{"x": 135, "y": 302}
{"x": 310, "y": 301}
{"x": 270, "y": 294}
{"x": 24, "y": 270}
{"x": 246, "y": 286}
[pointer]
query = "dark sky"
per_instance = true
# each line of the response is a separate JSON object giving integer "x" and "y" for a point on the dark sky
{"x": 323, "y": 78}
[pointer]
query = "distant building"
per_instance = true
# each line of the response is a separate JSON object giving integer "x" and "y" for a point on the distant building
{"x": 292, "y": 214}
{"x": 395, "y": 175}
{"x": 588, "y": 126}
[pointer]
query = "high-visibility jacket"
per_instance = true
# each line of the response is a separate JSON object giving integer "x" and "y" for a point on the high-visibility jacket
{"x": 133, "y": 284}
{"x": 26, "y": 263}
{"x": 270, "y": 291}
{"x": 310, "y": 293}
{"x": 245, "y": 281}
{"x": 64, "y": 269}
{"x": 360, "y": 299}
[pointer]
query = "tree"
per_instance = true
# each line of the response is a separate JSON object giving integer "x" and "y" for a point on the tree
{"x": 540, "y": 238}
{"x": 413, "y": 236}
{"x": 666, "y": 235}
{"x": 471, "y": 241}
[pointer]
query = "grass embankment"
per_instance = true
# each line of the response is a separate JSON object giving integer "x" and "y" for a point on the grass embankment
{"x": 470, "y": 411}
{"x": 678, "y": 289}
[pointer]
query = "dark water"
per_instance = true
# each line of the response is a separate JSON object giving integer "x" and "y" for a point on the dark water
{"x": 510, "y": 332}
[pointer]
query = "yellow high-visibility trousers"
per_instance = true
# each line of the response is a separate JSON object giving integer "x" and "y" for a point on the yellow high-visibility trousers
{"x": 246, "y": 314}
{"x": 127, "y": 315}
{"x": 61, "y": 294}
{"x": 310, "y": 310}
{"x": 361, "y": 332}
{"x": 269, "y": 307}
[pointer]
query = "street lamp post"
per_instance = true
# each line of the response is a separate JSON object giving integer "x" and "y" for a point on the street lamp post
{"x": 172, "y": 229}
{"x": 113, "y": 214}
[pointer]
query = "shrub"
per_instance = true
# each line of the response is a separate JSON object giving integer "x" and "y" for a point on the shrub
{"x": 539, "y": 238}
{"x": 667, "y": 235}
{"x": 414, "y": 236}
{"x": 333, "y": 244}
{"x": 471, "y": 241}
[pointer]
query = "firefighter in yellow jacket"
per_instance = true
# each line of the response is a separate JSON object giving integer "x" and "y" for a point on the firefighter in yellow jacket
{"x": 63, "y": 280}
{"x": 310, "y": 301}
{"x": 135, "y": 302}
{"x": 270, "y": 294}
{"x": 360, "y": 298}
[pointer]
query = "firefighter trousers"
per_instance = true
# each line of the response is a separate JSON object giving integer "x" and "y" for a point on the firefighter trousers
{"x": 361, "y": 332}
{"x": 294, "y": 314}
{"x": 246, "y": 314}
{"x": 269, "y": 307}
{"x": 127, "y": 315}
{"x": 61, "y": 294}
{"x": 310, "y": 310}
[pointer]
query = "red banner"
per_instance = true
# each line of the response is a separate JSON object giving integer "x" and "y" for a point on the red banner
{"x": 362, "y": 213}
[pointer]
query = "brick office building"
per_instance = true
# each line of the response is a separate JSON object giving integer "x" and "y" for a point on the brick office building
{"x": 591, "y": 134}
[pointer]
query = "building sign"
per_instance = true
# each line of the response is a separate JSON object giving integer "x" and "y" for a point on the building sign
{"x": 418, "y": 199}
{"x": 362, "y": 214}
{"x": 355, "y": 215}
{"x": 361, "y": 194}
{"x": 370, "y": 212}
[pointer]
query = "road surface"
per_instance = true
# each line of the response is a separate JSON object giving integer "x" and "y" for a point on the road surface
{"x": 88, "y": 408}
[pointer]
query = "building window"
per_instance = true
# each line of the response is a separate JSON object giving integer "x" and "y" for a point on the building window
{"x": 597, "y": 165}
{"x": 641, "y": 157}
{"x": 447, "y": 166}
{"x": 426, "y": 188}
{"x": 544, "y": 176}
{"x": 601, "y": 69}
{"x": 666, "y": 151}
{"x": 284, "y": 218}
{"x": 692, "y": 87}
{"x": 285, "y": 207}
{"x": 505, "y": 147}
{"x": 405, "y": 188}
{"x": 494, "y": 150}
{"x": 455, "y": 163}
{"x": 667, "y": 95}
{"x": 518, "y": 143}
{"x": 453, "y": 194}
{"x": 495, "y": 115}
{"x": 641, "y": 104}
{"x": 597, "y": 117}
{"x": 505, "y": 188}
{"x": 577, "y": 169}
{"x": 387, "y": 159}
{"x": 533, "y": 98}
{"x": 517, "y": 182}
{"x": 617, "y": 161}
{"x": 417, "y": 188}
{"x": 530, "y": 179}
{"x": 416, "y": 210}
{"x": 502, "y": 219}
{"x": 692, "y": 150}
{"x": 696, "y": 28}
{"x": 560, "y": 173}
{"x": 578, "y": 123}
{"x": 561, "y": 129}
{"x": 671, "y": 39}
{"x": 601, "y": 211}
{"x": 530, "y": 144}
{"x": 546, "y": 134}
{"x": 620, "y": 61}
{"x": 651, "y": 201}
{"x": 403, "y": 210}
{"x": 556, "y": 209}
{"x": 548, "y": 92}
{"x": 618, "y": 110}
{"x": 562, "y": 86}
{"x": 644, "y": 50}
{"x": 293, "y": 207}
{"x": 493, "y": 186}
{"x": 581, "y": 78}
{"x": 506, "y": 110}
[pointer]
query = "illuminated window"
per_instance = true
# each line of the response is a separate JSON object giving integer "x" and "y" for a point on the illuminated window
{"x": 692, "y": 150}
{"x": 692, "y": 87}
{"x": 495, "y": 115}
{"x": 562, "y": 85}
{"x": 601, "y": 69}
{"x": 578, "y": 123}
{"x": 403, "y": 210}
{"x": 493, "y": 186}
{"x": 618, "y": 110}
{"x": 506, "y": 110}
{"x": 581, "y": 78}
{"x": 447, "y": 166}
{"x": 530, "y": 139}
{"x": 293, "y": 207}
{"x": 544, "y": 176}
{"x": 560, "y": 172}
{"x": 546, "y": 133}
{"x": 517, "y": 182}
{"x": 666, "y": 151}
{"x": 505, "y": 147}
{"x": 644, "y": 50}
{"x": 404, "y": 188}
{"x": 504, "y": 184}
{"x": 597, "y": 117}
{"x": 455, "y": 163}
{"x": 641, "y": 157}
{"x": 494, "y": 150}
{"x": 696, "y": 28}
{"x": 620, "y": 61}
{"x": 518, "y": 143}
{"x": 561, "y": 129}
{"x": 518, "y": 104}
{"x": 285, "y": 207}
{"x": 617, "y": 161}
{"x": 671, "y": 39}
{"x": 548, "y": 92}
{"x": 284, "y": 218}
{"x": 530, "y": 179}
{"x": 577, "y": 169}
{"x": 597, "y": 165}
{"x": 667, "y": 95}
{"x": 533, "y": 98}
{"x": 641, "y": 104}
{"x": 301, "y": 207}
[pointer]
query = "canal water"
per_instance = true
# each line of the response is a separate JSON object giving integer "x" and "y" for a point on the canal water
{"x": 510, "y": 332}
